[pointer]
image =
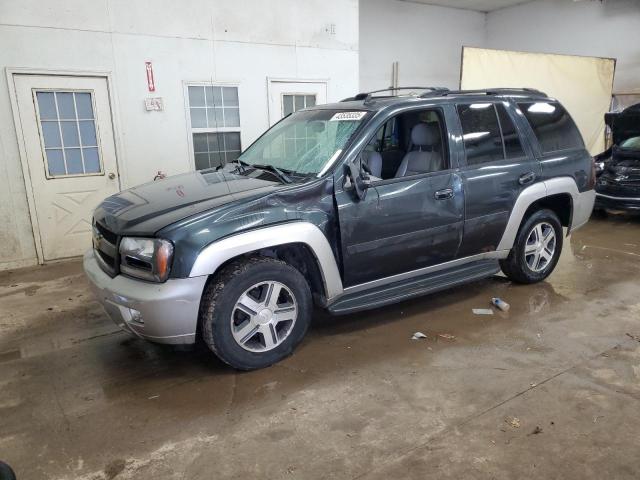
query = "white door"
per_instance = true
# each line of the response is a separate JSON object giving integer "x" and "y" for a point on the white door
{"x": 288, "y": 97}
{"x": 70, "y": 155}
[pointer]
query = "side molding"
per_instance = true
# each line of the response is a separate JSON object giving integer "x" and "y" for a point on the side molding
{"x": 582, "y": 206}
{"x": 210, "y": 259}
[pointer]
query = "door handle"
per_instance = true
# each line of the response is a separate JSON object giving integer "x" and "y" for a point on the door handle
{"x": 526, "y": 178}
{"x": 112, "y": 176}
{"x": 443, "y": 194}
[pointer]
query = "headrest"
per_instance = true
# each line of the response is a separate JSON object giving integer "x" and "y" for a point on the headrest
{"x": 425, "y": 134}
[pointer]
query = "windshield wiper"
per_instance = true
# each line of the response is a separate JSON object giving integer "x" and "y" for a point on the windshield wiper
{"x": 275, "y": 170}
{"x": 241, "y": 165}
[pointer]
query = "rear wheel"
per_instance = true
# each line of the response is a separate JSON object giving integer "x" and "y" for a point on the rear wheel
{"x": 536, "y": 250}
{"x": 255, "y": 312}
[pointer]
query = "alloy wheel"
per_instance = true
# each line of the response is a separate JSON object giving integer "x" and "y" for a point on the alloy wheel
{"x": 264, "y": 316}
{"x": 540, "y": 247}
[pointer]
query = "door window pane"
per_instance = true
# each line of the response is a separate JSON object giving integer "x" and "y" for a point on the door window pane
{"x": 88, "y": 133}
{"x": 51, "y": 134}
{"x": 76, "y": 152}
{"x": 480, "y": 133}
{"x": 287, "y": 105}
{"x": 55, "y": 162}
{"x": 552, "y": 125}
{"x": 74, "y": 161}
{"x": 91, "y": 160}
{"x": 47, "y": 106}
{"x": 512, "y": 145}
{"x": 83, "y": 105}
{"x": 70, "y": 134}
{"x": 66, "y": 108}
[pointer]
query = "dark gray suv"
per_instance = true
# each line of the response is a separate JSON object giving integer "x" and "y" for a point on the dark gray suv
{"x": 346, "y": 206}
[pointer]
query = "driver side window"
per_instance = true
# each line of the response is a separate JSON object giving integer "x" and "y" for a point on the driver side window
{"x": 408, "y": 144}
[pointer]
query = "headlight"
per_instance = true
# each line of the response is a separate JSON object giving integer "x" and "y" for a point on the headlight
{"x": 146, "y": 258}
{"x": 599, "y": 167}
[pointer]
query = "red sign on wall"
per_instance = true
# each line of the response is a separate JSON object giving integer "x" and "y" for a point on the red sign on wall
{"x": 150, "y": 82}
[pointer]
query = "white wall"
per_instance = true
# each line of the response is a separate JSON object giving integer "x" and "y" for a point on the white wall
{"x": 610, "y": 29}
{"x": 241, "y": 41}
{"x": 426, "y": 40}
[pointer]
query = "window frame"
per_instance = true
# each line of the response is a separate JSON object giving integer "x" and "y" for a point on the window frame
{"x": 444, "y": 138}
{"x": 39, "y": 120}
{"x": 524, "y": 144}
{"x": 191, "y": 130}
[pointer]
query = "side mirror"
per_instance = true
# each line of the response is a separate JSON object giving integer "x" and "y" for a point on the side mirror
{"x": 357, "y": 178}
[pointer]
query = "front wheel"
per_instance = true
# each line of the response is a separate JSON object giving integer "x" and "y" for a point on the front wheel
{"x": 255, "y": 312}
{"x": 536, "y": 250}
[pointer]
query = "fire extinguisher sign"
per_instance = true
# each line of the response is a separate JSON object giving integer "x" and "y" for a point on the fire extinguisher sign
{"x": 151, "y": 84}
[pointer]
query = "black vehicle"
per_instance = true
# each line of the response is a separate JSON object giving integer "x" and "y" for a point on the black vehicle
{"x": 618, "y": 185}
{"x": 348, "y": 206}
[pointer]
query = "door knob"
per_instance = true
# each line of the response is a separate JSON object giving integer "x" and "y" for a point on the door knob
{"x": 443, "y": 194}
{"x": 526, "y": 178}
{"x": 112, "y": 176}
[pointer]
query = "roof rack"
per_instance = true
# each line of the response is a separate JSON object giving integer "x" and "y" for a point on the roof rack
{"x": 367, "y": 96}
{"x": 489, "y": 91}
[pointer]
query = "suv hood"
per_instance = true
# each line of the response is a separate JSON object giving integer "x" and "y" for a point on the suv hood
{"x": 624, "y": 124}
{"x": 145, "y": 209}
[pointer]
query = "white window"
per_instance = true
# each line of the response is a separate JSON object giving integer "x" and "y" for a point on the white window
{"x": 292, "y": 102}
{"x": 215, "y": 124}
{"x": 68, "y": 133}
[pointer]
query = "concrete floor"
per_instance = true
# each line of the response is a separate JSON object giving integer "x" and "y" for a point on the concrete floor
{"x": 550, "y": 389}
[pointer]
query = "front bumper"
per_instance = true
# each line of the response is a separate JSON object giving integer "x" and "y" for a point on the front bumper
{"x": 614, "y": 202}
{"x": 168, "y": 311}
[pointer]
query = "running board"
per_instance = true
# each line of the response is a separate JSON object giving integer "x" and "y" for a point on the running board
{"x": 414, "y": 287}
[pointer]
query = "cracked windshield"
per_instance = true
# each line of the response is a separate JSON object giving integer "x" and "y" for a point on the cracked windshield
{"x": 306, "y": 142}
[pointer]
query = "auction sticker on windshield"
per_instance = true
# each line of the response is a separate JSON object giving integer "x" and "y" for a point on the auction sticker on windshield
{"x": 348, "y": 116}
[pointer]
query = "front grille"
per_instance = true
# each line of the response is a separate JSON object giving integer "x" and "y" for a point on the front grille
{"x": 108, "y": 235}
{"x": 105, "y": 244}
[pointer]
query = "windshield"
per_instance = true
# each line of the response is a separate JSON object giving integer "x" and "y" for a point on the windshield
{"x": 632, "y": 143}
{"x": 306, "y": 142}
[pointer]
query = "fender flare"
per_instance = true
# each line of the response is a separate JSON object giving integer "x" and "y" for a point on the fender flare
{"x": 219, "y": 252}
{"x": 533, "y": 193}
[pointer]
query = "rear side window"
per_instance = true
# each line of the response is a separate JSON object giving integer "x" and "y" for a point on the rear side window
{"x": 480, "y": 133}
{"x": 512, "y": 144}
{"x": 552, "y": 126}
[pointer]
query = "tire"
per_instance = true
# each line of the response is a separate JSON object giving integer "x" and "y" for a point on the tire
{"x": 6, "y": 473}
{"x": 538, "y": 263}
{"x": 242, "y": 323}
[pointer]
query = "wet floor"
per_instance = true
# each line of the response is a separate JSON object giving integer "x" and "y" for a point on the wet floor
{"x": 549, "y": 389}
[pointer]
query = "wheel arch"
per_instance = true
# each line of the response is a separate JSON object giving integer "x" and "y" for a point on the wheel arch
{"x": 557, "y": 194}
{"x": 301, "y": 244}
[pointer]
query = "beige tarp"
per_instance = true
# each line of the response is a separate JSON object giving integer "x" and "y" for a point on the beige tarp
{"x": 582, "y": 84}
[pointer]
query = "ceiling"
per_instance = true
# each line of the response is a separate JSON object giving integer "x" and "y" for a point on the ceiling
{"x": 477, "y": 5}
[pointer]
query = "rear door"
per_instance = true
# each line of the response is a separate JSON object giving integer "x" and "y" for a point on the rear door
{"x": 498, "y": 166}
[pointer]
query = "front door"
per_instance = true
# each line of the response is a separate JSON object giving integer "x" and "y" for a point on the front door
{"x": 288, "y": 97}
{"x": 67, "y": 130}
{"x": 408, "y": 221}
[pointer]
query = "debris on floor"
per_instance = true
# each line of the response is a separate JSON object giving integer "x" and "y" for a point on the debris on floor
{"x": 536, "y": 430}
{"x": 446, "y": 336}
{"x": 482, "y": 311}
{"x": 634, "y": 337}
{"x": 499, "y": 303}
{"x": 513, "y": 421}
{"x": 418, "y": 336}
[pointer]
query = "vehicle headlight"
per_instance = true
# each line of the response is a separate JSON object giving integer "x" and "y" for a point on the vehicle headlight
{"x": 146, "y": 258}
{"x": 599, "y": 167}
